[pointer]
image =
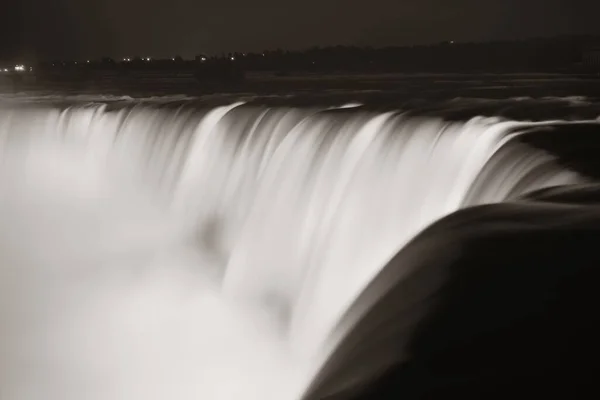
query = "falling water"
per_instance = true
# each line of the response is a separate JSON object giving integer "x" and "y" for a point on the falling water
{"x": 160, "y": 253}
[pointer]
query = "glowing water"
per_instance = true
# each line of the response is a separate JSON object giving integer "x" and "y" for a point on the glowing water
{"x": 149, "y": 253}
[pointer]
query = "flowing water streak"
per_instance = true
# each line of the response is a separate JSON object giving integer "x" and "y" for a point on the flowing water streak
{"x": 211, "y": 254}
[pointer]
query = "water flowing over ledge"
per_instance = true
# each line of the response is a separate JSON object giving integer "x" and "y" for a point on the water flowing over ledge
{"x": 154, "y": 253}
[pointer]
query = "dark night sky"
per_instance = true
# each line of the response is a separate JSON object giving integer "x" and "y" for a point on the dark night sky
{"x": 160, "y": 28}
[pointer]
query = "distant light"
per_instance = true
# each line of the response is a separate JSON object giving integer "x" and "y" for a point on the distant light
{"x": 173, "y": 59}
{"x": 19, "y": 68}
{"x": 452, "y": 42}
{"x": 232, "y": 58}
{"x": 88, "y": 61}
{"x": 203, "y": 58}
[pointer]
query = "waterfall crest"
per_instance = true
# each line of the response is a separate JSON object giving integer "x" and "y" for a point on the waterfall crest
{"x": 141, "y": 227}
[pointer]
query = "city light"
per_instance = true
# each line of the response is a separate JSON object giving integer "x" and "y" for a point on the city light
{"x": 19, "y": 68}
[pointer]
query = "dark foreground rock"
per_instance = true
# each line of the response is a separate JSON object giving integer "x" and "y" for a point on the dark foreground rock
{"x": 496, "y": 301}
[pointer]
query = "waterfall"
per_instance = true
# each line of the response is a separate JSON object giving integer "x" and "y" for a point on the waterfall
{"x": 152, "y": 252}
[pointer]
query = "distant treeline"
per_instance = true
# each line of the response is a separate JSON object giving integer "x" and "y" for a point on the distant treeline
{"x": 559, "y": 54}
{"x": 536, "y": 55}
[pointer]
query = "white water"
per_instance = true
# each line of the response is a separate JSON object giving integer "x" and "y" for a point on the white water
{"x": 150, "y": 254}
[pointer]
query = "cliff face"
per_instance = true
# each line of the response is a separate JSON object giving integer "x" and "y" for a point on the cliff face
{"x": 500, "y": 300}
